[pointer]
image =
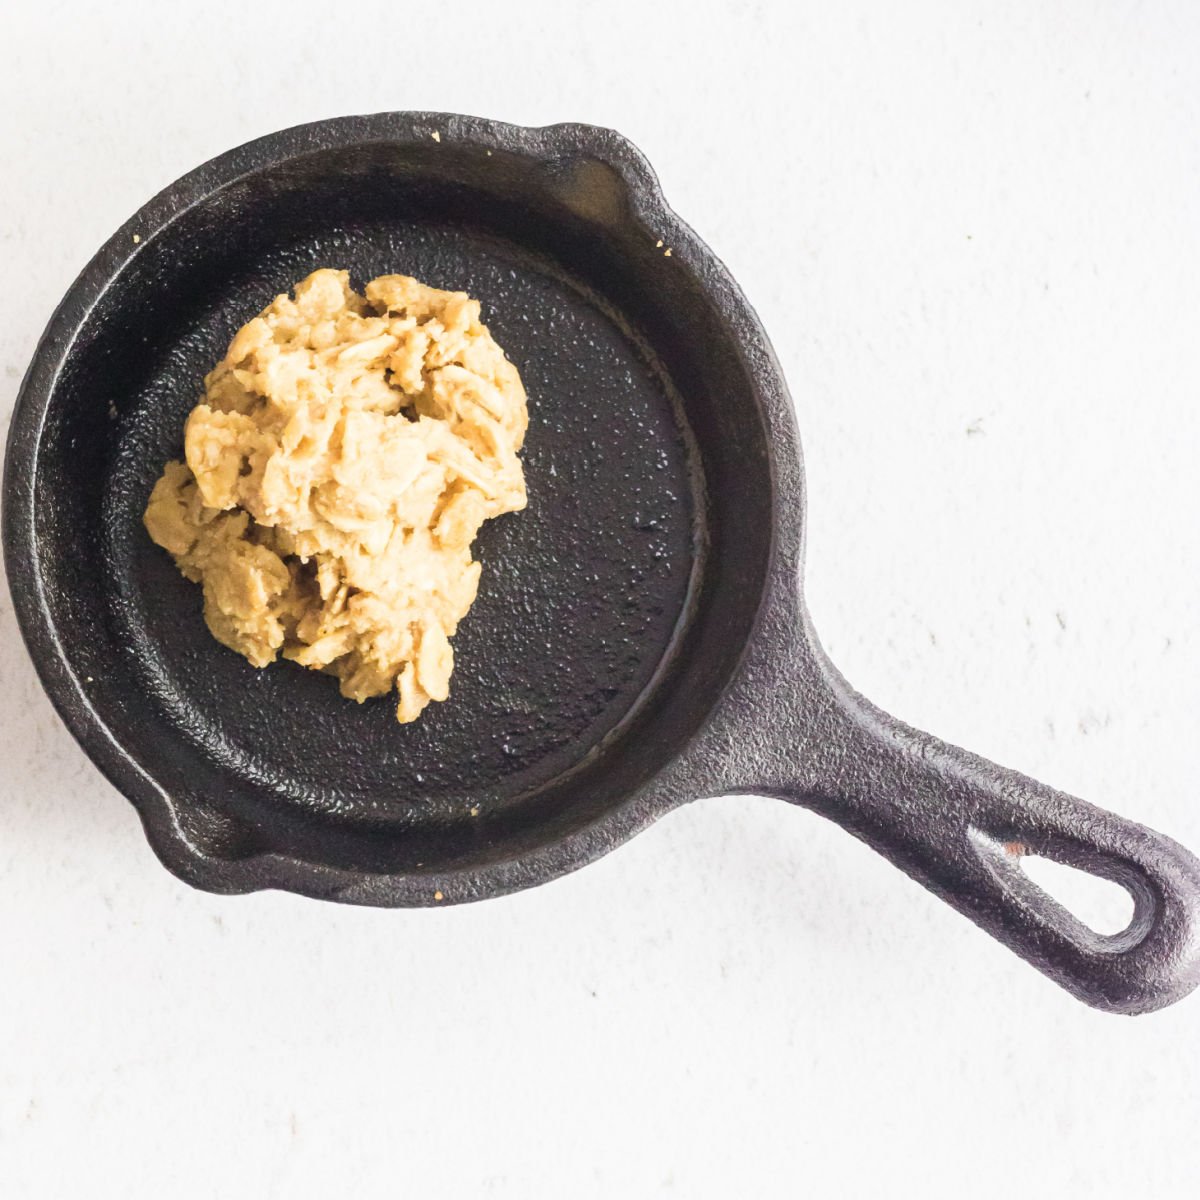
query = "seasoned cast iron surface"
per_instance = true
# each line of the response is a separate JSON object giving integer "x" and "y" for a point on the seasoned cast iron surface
{"x": 612, "y": 613}
{"x": 580, "y": 595}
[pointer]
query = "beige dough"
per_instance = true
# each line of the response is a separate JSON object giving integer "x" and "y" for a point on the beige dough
{"x": 345, "y": 453}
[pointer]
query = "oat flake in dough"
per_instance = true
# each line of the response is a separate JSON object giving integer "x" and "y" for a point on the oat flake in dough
{"x": 345, "y": 453}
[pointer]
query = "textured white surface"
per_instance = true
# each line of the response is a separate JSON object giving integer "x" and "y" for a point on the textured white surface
{"x": 971, "y": 230}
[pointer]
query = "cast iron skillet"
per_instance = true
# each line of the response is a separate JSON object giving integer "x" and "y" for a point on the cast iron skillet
{"x": 640, "y": 637}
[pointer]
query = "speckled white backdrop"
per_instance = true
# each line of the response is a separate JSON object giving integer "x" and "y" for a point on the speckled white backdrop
{"x": 972, "y": 231}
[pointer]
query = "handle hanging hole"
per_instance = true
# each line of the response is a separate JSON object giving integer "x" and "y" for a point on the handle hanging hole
{"x": 1102, "y": 905}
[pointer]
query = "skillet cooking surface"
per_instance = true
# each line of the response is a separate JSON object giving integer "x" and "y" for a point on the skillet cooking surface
{"x": 580, "y": 595}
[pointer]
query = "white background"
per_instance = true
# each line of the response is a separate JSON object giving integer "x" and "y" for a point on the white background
{"x": 973, "y": 233}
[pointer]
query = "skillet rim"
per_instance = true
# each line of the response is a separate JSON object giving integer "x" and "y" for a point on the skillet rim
{"x": 683, "y": 778}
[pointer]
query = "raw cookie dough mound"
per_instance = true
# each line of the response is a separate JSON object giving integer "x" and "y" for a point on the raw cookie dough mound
{"x": 345, "y": 453}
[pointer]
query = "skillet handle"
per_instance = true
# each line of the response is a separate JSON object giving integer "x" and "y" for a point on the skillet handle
{"x": 959, "y": 825}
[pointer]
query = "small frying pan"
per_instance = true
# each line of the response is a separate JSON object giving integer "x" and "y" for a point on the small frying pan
{"x": 640, "y": 638}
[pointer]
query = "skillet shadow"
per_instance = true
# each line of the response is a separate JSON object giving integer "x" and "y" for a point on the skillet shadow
{"x": 809, "y": 889}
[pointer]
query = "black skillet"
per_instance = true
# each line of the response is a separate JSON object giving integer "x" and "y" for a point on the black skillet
{"x": 640, "y": 637}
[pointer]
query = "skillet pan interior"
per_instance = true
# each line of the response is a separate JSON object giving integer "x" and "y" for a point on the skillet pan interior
{"x": 611, "y": 613}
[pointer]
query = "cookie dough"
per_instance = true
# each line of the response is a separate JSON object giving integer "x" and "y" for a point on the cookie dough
{"x": 346, "y": 451}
